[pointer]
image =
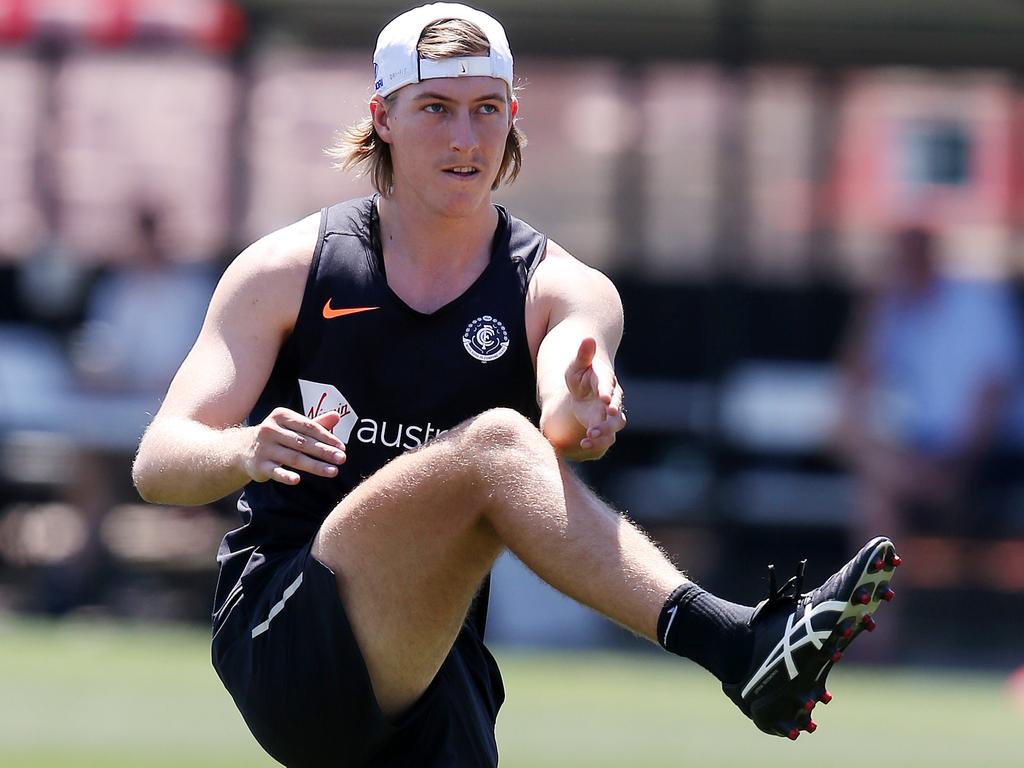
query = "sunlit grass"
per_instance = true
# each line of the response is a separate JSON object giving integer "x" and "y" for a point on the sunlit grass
{"x": 110, "y": 695}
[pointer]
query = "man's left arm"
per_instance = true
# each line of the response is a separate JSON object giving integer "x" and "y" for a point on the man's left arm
{"x": 574, "y": 321}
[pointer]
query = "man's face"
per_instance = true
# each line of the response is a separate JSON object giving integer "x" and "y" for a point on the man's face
{"x": 447, "y": 138}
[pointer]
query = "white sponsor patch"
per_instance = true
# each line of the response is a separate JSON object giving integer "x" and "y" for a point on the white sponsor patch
{"x": 318, "y": 399}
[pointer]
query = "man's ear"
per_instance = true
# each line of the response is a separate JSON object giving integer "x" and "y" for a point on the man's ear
{"x": 381, "y": 118}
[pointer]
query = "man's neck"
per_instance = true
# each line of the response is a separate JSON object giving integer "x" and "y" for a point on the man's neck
{"x": 431, "y": 259}
{"x": 425, "y": 240}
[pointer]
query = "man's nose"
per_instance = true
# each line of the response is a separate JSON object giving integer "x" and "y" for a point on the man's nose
{"x": 463, "y": 136}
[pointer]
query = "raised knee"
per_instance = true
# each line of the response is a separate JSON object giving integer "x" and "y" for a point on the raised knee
{"x": 504, "y": 429}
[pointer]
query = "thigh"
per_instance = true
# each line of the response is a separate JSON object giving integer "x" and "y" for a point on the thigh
{"x": 410, "y": 548}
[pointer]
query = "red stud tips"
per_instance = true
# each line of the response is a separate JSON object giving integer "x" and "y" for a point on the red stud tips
{"x": 847, "y": 633}
{"x": 793, "y": 734}
{"x": 809, "y": 705}
{"x": 862, "y": 596}
{"x": 886, "y": 594}
{"x": 812, "y": 726}
{"x": 876, "y": 565}
{"x": 869, "y": 623}
{"x": 826, "y": 697}
{"x": 837, "y": 656}
{"x": 896, "y": 561}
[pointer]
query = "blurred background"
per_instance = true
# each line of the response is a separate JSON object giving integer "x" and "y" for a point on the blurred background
{"x": 813, "y": 212}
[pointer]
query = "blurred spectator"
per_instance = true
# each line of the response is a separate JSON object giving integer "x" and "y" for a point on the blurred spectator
{"x": 53, "y": 285}
{"x": 141, "y": 319}
{"x": 929, "y": 370}
{"x": 140, "y": 322}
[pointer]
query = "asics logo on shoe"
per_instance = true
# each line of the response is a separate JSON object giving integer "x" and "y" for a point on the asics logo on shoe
{"x": 783, "y": 651}
{"x": 799, "y": 637}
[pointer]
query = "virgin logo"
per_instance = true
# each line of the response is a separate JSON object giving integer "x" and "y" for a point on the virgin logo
{"x": 318, "y": 399}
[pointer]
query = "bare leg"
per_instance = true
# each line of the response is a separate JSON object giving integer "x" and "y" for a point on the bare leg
{"x": 412, "y": 543}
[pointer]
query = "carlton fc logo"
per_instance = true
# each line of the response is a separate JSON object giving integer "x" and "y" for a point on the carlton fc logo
{"x": 486, "y": 339}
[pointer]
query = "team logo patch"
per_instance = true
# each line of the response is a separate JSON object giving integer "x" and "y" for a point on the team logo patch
{"x": 318, "y": 399}
{"x": 486, "y": 339}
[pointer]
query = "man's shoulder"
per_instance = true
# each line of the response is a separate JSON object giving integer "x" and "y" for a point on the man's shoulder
{"x": 563, "y": 277}
{"x": 288, "y": 248}
{"x": 556, "y": 254}
{"x": 559, "y": 266}
{"x": 351, "y": 216}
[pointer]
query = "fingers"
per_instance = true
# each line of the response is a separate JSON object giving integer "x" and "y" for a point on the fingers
{"x": 585, "y": 385}
{"x": 585, "y": 354}
{"x": 289, "y": 459}
{"x": 319, "y": 428}
{"x": 287, "y": 442}
{"x": 602, "y": 436}
{"x": 602, "y": 430}
{"x": 586, "y": 378}
{"x": 605, "y": 385}
{"x": 313, "y": 447}
{"x": 328, "y": 420}
{"x": 282, "y": 475}
{"x": 615, "y": 404}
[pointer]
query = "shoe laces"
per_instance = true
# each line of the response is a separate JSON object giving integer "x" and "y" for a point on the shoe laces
{"x": 791, "y": 591}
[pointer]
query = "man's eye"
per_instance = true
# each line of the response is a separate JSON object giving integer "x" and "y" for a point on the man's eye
{"x": 434, "y": 108}
{"x": 489, "y": 109}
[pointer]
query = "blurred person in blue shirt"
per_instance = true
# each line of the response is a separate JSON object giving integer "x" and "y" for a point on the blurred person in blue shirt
{"x": 929, "y": 372}
{"x": 141, "y": 319}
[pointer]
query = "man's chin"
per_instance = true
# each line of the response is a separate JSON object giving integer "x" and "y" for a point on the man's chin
{"x": 465, "y": 205}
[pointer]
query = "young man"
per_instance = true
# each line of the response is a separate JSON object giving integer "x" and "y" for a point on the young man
{"x": 394, "y": 357}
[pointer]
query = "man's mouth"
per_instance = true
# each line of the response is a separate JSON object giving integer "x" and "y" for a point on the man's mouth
{"x": 462, "y": 171}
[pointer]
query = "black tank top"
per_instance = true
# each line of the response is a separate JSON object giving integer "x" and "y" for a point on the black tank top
{"x": 397, "y": 376}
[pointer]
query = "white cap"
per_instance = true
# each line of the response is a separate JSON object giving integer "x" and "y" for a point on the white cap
{"x": 396, "y": 61}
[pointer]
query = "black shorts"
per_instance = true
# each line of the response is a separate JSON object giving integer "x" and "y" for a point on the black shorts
{"x": 287, "y": 655}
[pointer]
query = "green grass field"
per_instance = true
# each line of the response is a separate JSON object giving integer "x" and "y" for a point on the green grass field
{"x": 74, "y": 694}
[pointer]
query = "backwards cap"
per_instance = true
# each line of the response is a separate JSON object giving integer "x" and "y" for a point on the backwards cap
{"x": 396, "y": 62}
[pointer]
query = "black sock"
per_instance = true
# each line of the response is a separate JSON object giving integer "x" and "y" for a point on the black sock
{"x": 711, "y": 631}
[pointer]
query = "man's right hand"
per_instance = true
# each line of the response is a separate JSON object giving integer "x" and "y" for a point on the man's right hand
{"x": 287, "y": 441}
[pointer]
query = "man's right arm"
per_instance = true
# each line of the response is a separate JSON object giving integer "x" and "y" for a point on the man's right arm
{"x": 196, "y": 450}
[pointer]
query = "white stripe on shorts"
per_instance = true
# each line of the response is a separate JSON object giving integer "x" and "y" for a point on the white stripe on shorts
{"x": 259, "y": 629}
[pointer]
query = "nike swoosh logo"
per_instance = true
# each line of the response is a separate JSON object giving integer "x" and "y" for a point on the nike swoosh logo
{"x": 673, "y": 610}
{"x": 330, "y": 313}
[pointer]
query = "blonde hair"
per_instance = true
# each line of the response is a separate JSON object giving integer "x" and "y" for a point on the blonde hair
{"x": 359, "y": 146}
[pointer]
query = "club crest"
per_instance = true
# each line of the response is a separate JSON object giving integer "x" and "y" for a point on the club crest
{"x": 486, "y": 339}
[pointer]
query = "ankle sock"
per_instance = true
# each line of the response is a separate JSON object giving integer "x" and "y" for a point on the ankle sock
{"x": 710, "y": 631}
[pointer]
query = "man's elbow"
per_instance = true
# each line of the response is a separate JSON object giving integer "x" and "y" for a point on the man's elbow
{"x": 143, "y": 478}
{"x": 147, "y": 476}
